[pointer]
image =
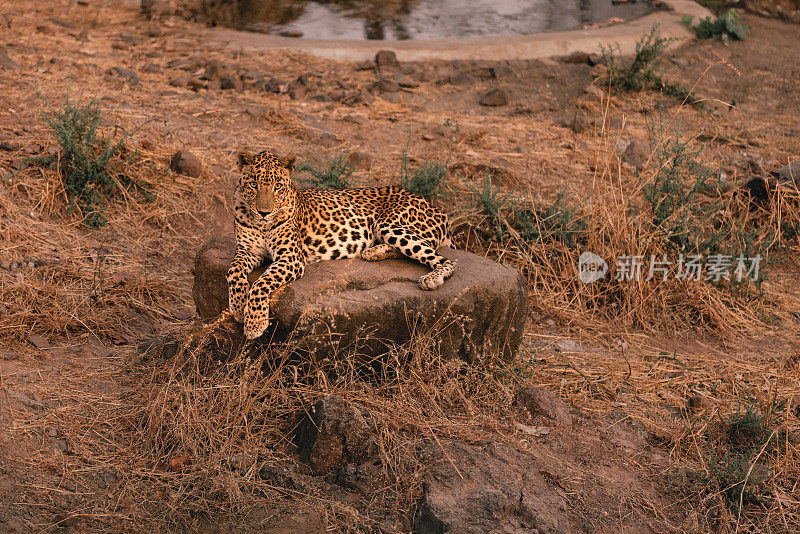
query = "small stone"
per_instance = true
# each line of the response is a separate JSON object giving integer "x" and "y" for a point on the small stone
{"x": 577, "y": 123}
{"x": 637, "y": 153}
{"x": 699, "y": 403}
{"x": 154, "y": 30}
{"x": 123, "y": 72}
{"x": 385, "y": 85}
{"x": 541, "y": 402}
{"x": 321, "y": 97}
{"x": 10, "y": 146}
{"x": 39, "y": 342}
{"x": 4, "y": 21}
{"x": 6, "y": 63}
{"x": 151, "y": 68}
{"x": 595, "y": 91}
{"x": 461, "y": 79}
{"x": 359, "y": 97}
{"x": 291, "y": 33}
{"x": 45, "y": 29}
{"x": 62, "y": 22}
{"x": 297, "y": 89}
{"x": 147, "y": 144}
{"x": 184, "y": 162}
{"x": 120, "y": 45}
{"x": 679, "y": 61}
{"x": 366, "y": 65}
{"x": 576, "y": 58}
{"x": 427, "y": 137}
{"x": 52, "y": 432}
{"x": 788, "y": 173}
{"x": 231, "y": 81}
{"x": 9, "y": 355}
{"x": 494, "y": 98}
{"x": 386, "y": 58}
{"x": 404, "y": 81}
{"x": 500, "y": 72}
{"x": 129, "y": 38}
{"x": 333, "y": 434}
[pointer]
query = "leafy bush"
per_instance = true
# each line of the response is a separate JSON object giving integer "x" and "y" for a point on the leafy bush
{"x": 335, "y": 174}
{"x": 85, "y": 159}
{"x": 641, "y": 73}
{"x": 426, "y": 180}
{"x": 727, "y": 26}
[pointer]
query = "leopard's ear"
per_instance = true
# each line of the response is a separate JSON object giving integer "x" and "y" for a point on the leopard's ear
{"x": 244, "y": 158}
{"x": 288, "y": 162}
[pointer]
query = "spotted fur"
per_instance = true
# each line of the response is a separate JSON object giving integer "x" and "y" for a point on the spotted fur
{"x": 294, "y": 227}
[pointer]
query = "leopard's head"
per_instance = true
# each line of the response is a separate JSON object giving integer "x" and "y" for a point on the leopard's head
{"x": 265, "y": 186}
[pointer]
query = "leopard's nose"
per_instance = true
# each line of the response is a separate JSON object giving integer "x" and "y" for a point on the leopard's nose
{"x": 263, "y": 213}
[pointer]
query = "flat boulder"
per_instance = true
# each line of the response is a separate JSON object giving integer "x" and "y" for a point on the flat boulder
{"x": 367, "y": 307}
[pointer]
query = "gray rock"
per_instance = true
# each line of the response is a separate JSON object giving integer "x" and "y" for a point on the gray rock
{"x": 478, "y": 314}
{"x": 404, "y": 81}
{"x": 501, "y": 72}
{"x": 385, "y": 85}
{"x": 39, "y": 342}
{"x": 495, "y": 488}
{"x": 157, "y": 8}
{"x": 541, "y": 402}
{"x": 334, "y": 433}
{"x": 6, "y": 63}
{"x": 184, "y": 162}
{"x": 637, "y": 153}
{"x": 494, "y": 98}
{"x": 386, "y": 58}
{"x": 577, "y": 58}
{"x": 124, "y": 73}
{"x": 788, "y": 174}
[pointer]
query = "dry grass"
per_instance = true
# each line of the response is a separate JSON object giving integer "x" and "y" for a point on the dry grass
{"x": 188, "y": 437}
{"x": 614, "y": 220}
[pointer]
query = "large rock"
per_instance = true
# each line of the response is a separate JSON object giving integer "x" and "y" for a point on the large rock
{"x": 352, "y": 304}
{"x": 474, "y": 489}
{"x": 333, "y": 434}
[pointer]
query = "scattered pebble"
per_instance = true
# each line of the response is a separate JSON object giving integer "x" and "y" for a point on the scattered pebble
{"x": 494, "y": 98}
{"x": 184, "y": 162}
{"x": 386, "y": 58}
{"x": 39, "y": 342}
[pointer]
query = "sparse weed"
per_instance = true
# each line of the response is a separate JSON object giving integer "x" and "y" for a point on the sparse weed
{"x": 85, "y": 161}
{"x": 738, "y": 452}
{"x": 427, "y": 179}
{"x": 335, "y": 174}
{"x": 641, "y": 73}
{"x": 727, "y": 26}
{"x": 492, "y": 203}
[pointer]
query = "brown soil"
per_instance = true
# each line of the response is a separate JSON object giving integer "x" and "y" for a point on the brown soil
{"x": 67, "y": 448}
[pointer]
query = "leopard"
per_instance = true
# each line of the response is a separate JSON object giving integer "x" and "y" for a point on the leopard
{"x": 287, "y": 228}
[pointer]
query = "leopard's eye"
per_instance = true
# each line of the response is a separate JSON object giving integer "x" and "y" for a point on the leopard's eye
{"x": 252, "y": 185}
{"x": 278, "y": 186}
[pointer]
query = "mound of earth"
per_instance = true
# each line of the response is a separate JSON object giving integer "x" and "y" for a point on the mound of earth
{"x": 351, "y": 304}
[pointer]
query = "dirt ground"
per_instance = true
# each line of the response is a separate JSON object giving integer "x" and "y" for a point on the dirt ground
{"x": 71, "y": 321}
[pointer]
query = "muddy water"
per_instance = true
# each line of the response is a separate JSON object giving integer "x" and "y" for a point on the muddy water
{"x": 416, "y": 19}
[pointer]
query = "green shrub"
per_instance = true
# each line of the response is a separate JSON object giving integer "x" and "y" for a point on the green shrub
{"x": 85, "y": 161}
{"x": 641, "y": 73}
{"x": 426, "y": 180}
{"x": 335, "y": 174}
{"x": 727, "y": 26}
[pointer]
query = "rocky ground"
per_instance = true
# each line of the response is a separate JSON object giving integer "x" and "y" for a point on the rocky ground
{"x": 602, "y": 434}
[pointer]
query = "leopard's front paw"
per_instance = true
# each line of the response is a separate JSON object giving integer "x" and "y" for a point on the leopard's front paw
{"x": 256, "y": 321}
{"x": 237, "y": 302}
